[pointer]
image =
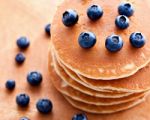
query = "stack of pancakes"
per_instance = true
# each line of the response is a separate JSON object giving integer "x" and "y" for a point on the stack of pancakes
{"x": 96, "y": 80}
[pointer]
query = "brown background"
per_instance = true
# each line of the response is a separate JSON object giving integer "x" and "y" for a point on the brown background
{"x": 28, "y": 18}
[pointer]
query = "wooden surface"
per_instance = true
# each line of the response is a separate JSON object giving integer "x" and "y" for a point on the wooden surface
{"x": 28, "y": 18}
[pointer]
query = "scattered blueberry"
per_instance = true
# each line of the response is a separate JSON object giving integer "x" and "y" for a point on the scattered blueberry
{"x": 10, "y": 84}
{"x": 24, "y": 118}
{"x": 80, "y": 117}
{"x": 126, "y": 9}
{"x": 22, "y": 100}
{"x": 44, "y": 106}
{"x": 122, "y": 22}
{"x": 23, "y": 42}
{"x": 114, "y": 43}
{"x": 48, "y": 29}
{"x": 34, "y": 78}
{"x": 95, "y": 12}
{"x": 87, "y": 39}
{"x": 137, "y": 40}
{"x": 70, "y": 17}
{"x": 20, "y": 58}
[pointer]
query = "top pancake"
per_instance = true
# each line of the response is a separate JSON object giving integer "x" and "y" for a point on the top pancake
{"x": 97, "y": 62}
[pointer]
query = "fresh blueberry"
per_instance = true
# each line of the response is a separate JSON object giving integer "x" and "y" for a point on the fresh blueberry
{"x": 80, "y": 117}
{"x": 24, "y": 118}
{"x": 22, "y": 100}
{"x": 126, "y": 9}
{"x": 70, "y": 17}
{"x": 10, "y": 84}
{"x": 20, "y": 58}
{"x": 137, "y": 40}
{"x": 95, "y": 12}
{"x": 34, "y": 78}
{"x": 23, "y": 42}
{"x": 114, "y": 43}
{"x": 44, "y": 106}
{"x": 87, "y": 39}
{"x": 48, "y": 29}
{"x": 122, "y": 22}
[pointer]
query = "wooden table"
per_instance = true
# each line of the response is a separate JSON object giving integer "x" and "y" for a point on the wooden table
{"x": 28, "y": 18}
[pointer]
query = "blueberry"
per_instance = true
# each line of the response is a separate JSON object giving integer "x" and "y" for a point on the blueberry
{"x": 137, "y": 40}
{"x": 114, "y": 43}
{"x": 126, "y": 9}
{"x": 122, "y": 22}
{"x": 34, "y": 78}
{"x": 80, "y": 117}
{"x": 24, "y": 118}
{"x": 87, "y": 39}
{"x": 20, "y": 58}
{"x": 70, "y": 17}
{"x": 23, "y": 42}
{"x": 44, "y": 106}
{"x": 48, "y": 29}
{"x": 94, "y": 12}
{"x": 22, "y": 100}
{"x": 10, "y": 84}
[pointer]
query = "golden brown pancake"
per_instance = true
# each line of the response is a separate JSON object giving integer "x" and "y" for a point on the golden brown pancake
{"x": 99, "y": 63}
{"x": 65, "y": 89}
{"x": 138, "y": 82}
{"x": 103, "y": 109}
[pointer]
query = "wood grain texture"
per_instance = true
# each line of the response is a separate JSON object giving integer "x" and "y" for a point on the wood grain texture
{"x": 28, "y": 18}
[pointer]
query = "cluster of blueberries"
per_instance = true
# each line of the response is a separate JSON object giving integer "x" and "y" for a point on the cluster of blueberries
{"x": 34, "y": 78}
{"x": 114, "y": 42}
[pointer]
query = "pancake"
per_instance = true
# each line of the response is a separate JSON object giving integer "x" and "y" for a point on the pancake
{"x": 138, "y": 82}
{"x": 99, "y": 63}
{"x": 103, "y": 109}
{"x": 85, "y": 90}
{"x": 65, "y": 89}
